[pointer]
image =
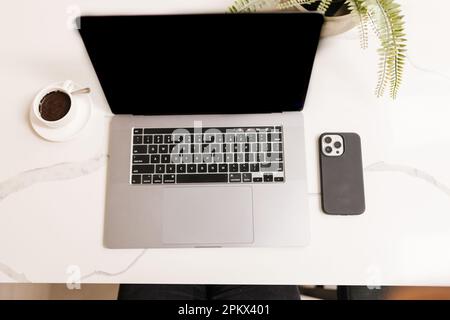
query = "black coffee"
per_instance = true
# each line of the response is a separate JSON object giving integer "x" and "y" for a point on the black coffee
{"x": 54, "y": 105}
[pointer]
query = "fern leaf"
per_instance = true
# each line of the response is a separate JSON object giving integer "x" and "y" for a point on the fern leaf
{"x": 251, "y": 5}
{"x": 360, "y": 8}
{"x": 282, "y": 5}
{"x": 390, "y": 30}
{"x": 324, "y": 5}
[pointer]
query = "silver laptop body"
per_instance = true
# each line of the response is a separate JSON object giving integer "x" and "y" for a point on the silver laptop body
{"x": 233, "y": 179}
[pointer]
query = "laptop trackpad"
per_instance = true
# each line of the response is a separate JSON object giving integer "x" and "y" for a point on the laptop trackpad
{"x": 207, "y": 215}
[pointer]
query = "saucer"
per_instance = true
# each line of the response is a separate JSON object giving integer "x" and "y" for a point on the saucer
{"x": 83, "y": 103}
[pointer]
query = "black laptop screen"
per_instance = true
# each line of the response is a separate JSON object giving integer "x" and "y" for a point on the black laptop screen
{"x": 203, "y": 64}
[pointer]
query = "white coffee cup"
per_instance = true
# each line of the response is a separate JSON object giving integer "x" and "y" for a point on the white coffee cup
{"x": 66, "y": 87}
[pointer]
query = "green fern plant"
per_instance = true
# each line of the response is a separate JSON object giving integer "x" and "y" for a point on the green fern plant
{"x": 383, "y": 15}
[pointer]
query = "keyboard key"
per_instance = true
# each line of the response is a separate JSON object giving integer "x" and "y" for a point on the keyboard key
{"x": 165, "y": 158}
{"x": 152, "y": 148}
{"x": 157, "y": 178}
{"x": 272, "y": 166}
{"x": 240, "y": 137}
{"x": 254, "y": 147}
{"x": 249, "y": 157}
{"x": 229, "y": 137}
{"x": 155, "y": 158}
{"x": 187, "y": 138}
{"x": 227, "y": 147}
{"x": 195, "y": 148}
{"x": 181, "y": 168}
{"x": 246, "y": 147}
{"x": 175, "y": 158}
{"x": 276, "y": 157}
{"x": 172, "y": 147}
{"x": 191, "y": 168}
{"x": 137, "y": 139}
{"x": 212, "y": 167}
{"x": 170, "y": 168}
{"x": 197, "y": 178}
{"x": 276, "y": 137}
{"x": 246, "y": 177}
{"x": 215, "y": 148}
{"x": 280, "y": 166}
{"x": 142, "y": 168}
{"x": 243, "y": 167}
{"x": 251, "y": 137}
{"x": 278, "y": 179}
{"x": 262, "y": 137}
{"x": 268, "y": 177}
{"x": 160, "y": 168}
{"x": 239, "y": 157}
{"x": 266, "y": 147}
{"x": 229, "y": 157}
{"x": 209, "y": 137}
{"x": 198, "y": 138}
{"x": 217, "y": 158}
{"x": 177, "y": 138}
{"x": 141, "y": 159}
{"x": 276, "y": 147}
{"x": 167, "y": 138}
{"x": 235, "y": 177}
{"x": 257, "y": 179}
{"x": 223, "y": 167}
{"x": 201, "y": 167}
{"x": 163, "y": 148}
{"x": 233, "y": 167}
{"x": 197, "y": 158}
{"x": 219, "y": 138}
{"x": 260, "y": 157}
{"x": 148, "y": 139}
{"x": 140, "y": 149}
{"x": 136, "y": 179}
{"x": 137, "y": 131}
{"x": 207, "y": 158}
{"x": 267, "y": 166}
{"x": 184, "y": 148}
{"x": 148, "y": 131}
{"x": 187, "y": 158}
{"x": 254, "y": 167}
{"x": 158, "y": 139}
{"x": 146, "y": 178}
{"x": 169, "y": 178}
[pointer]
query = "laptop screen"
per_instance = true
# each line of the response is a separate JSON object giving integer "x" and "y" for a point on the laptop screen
{"x": 203, "y": 63}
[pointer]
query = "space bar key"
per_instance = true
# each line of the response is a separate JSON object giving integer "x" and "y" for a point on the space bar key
{"x": 199, "y": 178}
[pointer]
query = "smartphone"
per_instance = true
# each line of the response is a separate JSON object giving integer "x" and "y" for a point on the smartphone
{"x": 341, "y": 173}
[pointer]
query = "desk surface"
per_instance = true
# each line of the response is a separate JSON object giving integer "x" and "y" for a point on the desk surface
{"x": 52, "y": 195}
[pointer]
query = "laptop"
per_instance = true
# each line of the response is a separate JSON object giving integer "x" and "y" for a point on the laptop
{"x": 206, "y": 144}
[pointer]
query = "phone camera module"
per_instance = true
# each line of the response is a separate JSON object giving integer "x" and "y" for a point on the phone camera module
{"x": 337, "y": 144}
{"x": 328, "y": 149}
{"x": 327, "y": 139}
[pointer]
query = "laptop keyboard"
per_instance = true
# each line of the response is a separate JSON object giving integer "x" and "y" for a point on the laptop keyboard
{"x": 207, "y": 155}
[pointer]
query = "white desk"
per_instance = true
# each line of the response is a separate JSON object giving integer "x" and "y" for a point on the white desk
{"x": 57, "y": 221}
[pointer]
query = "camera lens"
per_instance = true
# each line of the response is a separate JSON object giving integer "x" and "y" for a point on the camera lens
{"x": 337, "y": 144}
{"x": 327, "y": 139}
{"x": 328, "y": 149}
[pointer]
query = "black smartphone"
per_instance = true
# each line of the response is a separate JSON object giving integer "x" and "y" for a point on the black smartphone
{"x": 341, "y": 173}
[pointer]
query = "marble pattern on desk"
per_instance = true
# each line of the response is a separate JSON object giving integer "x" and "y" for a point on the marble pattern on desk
{"x": 65, "y": 171}
{"x": 56, "y": 172}
{"x": 60, "y": 171}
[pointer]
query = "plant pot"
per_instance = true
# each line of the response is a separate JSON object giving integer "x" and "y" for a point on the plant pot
{"x": 337, "y": 20}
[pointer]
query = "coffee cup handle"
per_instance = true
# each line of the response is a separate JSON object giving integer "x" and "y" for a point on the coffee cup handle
{"x": 68, "y": 85}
